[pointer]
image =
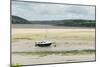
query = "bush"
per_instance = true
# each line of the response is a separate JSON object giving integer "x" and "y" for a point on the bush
{"x": 17, "y": 65}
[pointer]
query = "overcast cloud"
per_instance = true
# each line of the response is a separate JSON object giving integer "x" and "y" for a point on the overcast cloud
{"x": 44, "y": 11}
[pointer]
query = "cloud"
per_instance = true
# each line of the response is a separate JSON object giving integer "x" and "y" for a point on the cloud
{"x": 44, "y": 11}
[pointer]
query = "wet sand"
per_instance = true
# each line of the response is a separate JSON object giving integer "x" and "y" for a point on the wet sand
{"x": 28, "y": 60}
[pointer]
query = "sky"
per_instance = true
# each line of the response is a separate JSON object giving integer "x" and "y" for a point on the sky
{"x": 45, "y": 11}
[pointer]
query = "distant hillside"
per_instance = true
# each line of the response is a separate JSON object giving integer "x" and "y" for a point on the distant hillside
{"x": 79, "y": 23}
{"x": 19, "y": 20}
{"x": 70, "y": 22}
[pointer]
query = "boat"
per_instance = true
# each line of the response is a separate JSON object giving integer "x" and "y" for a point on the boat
{"x": 43, "y": 43}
